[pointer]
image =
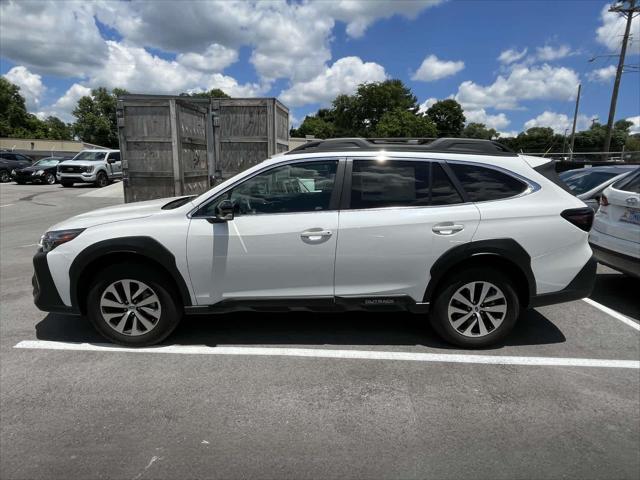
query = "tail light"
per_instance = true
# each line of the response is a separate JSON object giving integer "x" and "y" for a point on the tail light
{"x": 604, "y": 201}
{"x": 580, "y": 217}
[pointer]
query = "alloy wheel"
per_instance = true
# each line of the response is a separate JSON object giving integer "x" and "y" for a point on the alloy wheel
{"x": 50, "y": 179}
{"x": 130, "y": 307}
{"x": 477, "y": 308}
{"x": 4, "y": 176}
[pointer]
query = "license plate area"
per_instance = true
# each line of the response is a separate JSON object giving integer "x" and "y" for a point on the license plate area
{"x": 631, "y": 215}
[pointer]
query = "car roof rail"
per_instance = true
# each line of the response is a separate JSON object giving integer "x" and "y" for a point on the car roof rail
{"x": 439, "y": 145}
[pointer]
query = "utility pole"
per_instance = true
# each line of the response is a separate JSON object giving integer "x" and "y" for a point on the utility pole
{"x": 575, "y": 120}
{"x": 628, "y": 12}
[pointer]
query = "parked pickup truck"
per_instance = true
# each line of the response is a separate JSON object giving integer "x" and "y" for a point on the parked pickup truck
{"x": 99, "y": 167}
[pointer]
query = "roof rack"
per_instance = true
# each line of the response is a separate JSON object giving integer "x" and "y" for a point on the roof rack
{"x": 440, "y": 145}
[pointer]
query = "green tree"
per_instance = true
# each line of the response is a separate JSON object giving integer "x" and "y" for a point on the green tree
{"x": 314, "y": 125}
{"x": 404, "y": 123}
{"x": 213, "y": 93}
{"x": 591, "y": 140}
{"x": 479, "y": 130}
{"x": 96, "y": 117}
{"x": 13, "y": 112}
{"x": 448, "y": 117}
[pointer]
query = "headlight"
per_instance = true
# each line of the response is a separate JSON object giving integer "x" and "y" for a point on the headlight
{"x": 40, "y": 172}
{"x": 13, "y": 172}
{"x": 51, "y": 240}
{"x": 88, "y": 169}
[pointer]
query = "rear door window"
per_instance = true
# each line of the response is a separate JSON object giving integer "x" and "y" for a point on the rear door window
{"x": 398, "y": 183}
{"x": 482, "y": 184}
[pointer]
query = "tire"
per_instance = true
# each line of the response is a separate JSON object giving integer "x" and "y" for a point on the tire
{"x": 480, "y": 328}
{"x": 137, "y": 327}
{"x": 50, "y": 179}
{"x": 66, "y": 184}
{"x": 5, "y": 176}
{"x": 101, "y": 180}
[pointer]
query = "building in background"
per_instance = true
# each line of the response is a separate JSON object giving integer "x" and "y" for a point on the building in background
{"x": 38, "y": 148}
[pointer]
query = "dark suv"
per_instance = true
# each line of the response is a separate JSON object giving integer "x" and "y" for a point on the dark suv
{"x": 10, "y": 161}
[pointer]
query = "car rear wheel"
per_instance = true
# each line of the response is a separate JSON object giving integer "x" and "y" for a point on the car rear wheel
{"x": 50, "y": 179}
{"x": 133, "y": 306}
{"x": 102, "y": 180}
{"x": 4, "y": 176}
{"x": 475, "y": 308}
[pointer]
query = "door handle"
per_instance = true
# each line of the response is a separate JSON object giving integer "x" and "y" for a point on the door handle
{"x": 315, "y": 234}
{"x": 447, "y": 228}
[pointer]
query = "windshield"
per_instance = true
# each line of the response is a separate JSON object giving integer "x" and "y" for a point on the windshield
{"x": 47, "y": 162}
{"x": 581, "y": 182}
{"x": 89, "y": 156}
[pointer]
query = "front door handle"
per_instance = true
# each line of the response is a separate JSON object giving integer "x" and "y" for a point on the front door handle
{"x": 447, "y": 228}
{"x": 315, "y": 234}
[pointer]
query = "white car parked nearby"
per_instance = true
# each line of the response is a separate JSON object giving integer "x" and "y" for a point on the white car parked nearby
{"x": 461, "y": 229}
{"x": 615, "y": 236}
{"x": 99, "y": 167}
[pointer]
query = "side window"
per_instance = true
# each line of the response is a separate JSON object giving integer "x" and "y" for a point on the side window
{"x": 294, "y": 188}
{"x": 482, "y": 184}
{"x": 8, "y": 156}
{"x": 399, "y": 183}
{"x": 115, "y": 156}
{"x": 630, "y": 184}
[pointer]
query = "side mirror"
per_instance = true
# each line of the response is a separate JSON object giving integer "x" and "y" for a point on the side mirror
{"x": 224, "y": 211}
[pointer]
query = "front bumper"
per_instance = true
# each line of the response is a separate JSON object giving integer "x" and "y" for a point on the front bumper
{"x": 618, "y": 261}
{"x": 580, "y": 287}
{"x": 76, "y": 177}
{"x": 45, "y": 294}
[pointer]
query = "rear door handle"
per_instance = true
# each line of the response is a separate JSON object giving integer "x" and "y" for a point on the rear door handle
{"x": 315, "y": 234}
{"x": 447, "y": 228}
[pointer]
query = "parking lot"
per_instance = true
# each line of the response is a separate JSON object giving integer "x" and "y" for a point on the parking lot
{"x": 304, "y": 395}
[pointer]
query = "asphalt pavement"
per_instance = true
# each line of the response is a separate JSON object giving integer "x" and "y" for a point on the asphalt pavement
{"x": 262, "y": 395}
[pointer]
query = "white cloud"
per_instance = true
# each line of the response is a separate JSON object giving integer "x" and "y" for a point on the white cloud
{"x": 214, "y": 59}
{"x": 31, "y": 86}
{"x": 343, "y": 77}
{"x": 602, "y": 74}
{"x": 511, "y": 55}
{"x": 636, "y": 124}
{"x": 522, "y": 83}
{"x": 433, "y": 68}
{"x": 427, "y": 104}
{"x": 509, "y": 134}
{"x": 549, "y": 53}
{"x": 50, "y": 37}
{"x": 492, "y": 121}
{"x": 611, "y": 31}
{"x": 559, "y": 122}
{"x": 63, "y": 107}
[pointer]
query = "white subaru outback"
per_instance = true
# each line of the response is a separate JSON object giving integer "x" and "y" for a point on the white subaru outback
{"x": 462, "y": 230}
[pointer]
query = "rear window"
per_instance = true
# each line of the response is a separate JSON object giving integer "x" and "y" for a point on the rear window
{"x": 482, "y": 184}
{"x": 629, "y": 184}
{"x": 399, "y": 183}
{"x": 581, "y": 182}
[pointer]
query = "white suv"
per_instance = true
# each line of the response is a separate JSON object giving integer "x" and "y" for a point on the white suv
{"x": 463, "y": 230}
{"x": 99, "y": 166}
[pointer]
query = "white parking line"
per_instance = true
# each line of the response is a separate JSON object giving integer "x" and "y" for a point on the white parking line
{"x": 613, "y": 313}
{"x": 344, "y": 354}
{"x": 7, "y": 205}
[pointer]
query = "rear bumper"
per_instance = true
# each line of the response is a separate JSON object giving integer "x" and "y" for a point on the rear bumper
{"x": 45, "y": 294}
{"x": 580, "y": 287}
{"x": 618, "y": 261}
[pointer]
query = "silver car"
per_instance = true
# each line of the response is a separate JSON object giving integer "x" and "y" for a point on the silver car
{"x": 588, "y": 183}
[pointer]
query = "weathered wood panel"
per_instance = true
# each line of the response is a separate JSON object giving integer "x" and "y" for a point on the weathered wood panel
{"x": 243, "y": 122}
{"x": 237, "y": 157}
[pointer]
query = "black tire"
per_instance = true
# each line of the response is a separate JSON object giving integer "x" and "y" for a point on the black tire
{"x": 5, "y": 176}
{"x": 66, "y": 184}
{"x": 50, "y": 179}
{"x": 439, "y": 315}
{"x": 101, "y": 180}
{"x": 170, "y": 307}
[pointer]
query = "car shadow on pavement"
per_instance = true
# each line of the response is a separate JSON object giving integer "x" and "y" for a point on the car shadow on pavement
{"x": 617, "y": 291}
{"x": 303, "y": 328}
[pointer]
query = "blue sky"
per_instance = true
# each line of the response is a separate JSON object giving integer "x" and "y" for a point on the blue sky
{"x": 512, "y": 64}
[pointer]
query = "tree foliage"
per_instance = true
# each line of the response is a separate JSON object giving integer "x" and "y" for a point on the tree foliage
{"x": 448, "y": 117}
{"x": 16, "y": 122}
{"x": 213, "y": 93}
{"x": 404, "y": 123}
{"x": 96, "y": 117}
{"x": 479, "y": 130}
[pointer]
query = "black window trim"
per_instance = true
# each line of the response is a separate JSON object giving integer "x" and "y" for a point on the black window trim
{"x": 531, "y": 185}
{"x": 345, "y": 201}
{"x": 334, "y": 202}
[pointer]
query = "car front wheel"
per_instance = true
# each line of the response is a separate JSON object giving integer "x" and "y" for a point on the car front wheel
{"x": 102, "y": 180}
{"x": 4, "y": 176}
{"x": 475, "y": 308}
{"x": 50, "y": 179}
{"x": 133, "y": 306}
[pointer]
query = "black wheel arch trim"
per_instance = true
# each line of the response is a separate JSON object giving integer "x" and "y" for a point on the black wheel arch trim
{"x": 146, "y": 247}
{"x": 505, "y": 248}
